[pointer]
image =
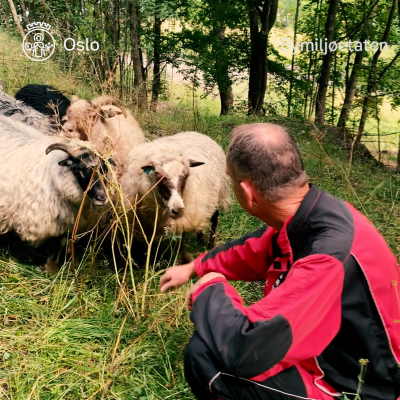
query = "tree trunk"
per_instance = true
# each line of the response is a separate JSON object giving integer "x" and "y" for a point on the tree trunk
{"x": 224, "y": 82}
{"x": 326, "y": 64}
{"x": 16, "y": 20}
{"x": 156, "y": 58}
{"x": 226, "y": 97}
{"x": 45, "y": 12}
{"x": 24, "y": 13}
{"x": 296, "y": 19}
{"x": 135, "y": 55}
{"x": 115, "y": 27}
{"x": 68, "y": 19}
{"x": 310, "y": 64}
{"x": 372, "y": 79}
{"x": 352, "y": 83}
{"x": 258, "y": 54}
{"x": 33, "y": 11}
{"x": 398, "y": 158}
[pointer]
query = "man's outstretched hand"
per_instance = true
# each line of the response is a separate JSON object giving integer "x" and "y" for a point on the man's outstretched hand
{"x": 177, "y": 276}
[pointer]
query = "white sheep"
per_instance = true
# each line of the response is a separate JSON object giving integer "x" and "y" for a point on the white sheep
{"x": 105, "y": 123}
{"x": 188, "y": 174}
{"x": 43, "y": 179}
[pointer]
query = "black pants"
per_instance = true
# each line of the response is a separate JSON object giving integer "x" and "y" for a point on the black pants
{"x": 208, "y": 380}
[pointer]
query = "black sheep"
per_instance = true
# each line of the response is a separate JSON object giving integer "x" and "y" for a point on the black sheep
{"x": 45, "y": 99}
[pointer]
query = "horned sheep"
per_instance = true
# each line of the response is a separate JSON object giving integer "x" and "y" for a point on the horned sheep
{"x": 40, "y": 194}
{"x": 188, "y": 173}
{"x": 107, "y": 124}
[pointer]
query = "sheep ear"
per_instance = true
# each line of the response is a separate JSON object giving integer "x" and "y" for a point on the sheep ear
{"x": 65, "y": 163}
{"x": 193, "y": 163}
{"x": 107, "y": 113}
{"x": 112, "y": 162}
{"x": 74, "y": 98}
{"x": 148, "y": 168}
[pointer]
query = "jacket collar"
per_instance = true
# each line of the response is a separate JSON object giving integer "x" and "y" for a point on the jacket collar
{"x": 293, "y": 225}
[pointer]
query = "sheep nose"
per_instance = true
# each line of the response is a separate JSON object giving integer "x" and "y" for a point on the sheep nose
{"x": 176, "y": 212}
{"x": 100, "y": 199}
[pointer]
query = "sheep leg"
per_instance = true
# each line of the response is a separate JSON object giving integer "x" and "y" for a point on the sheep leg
{"x": 185, "y": 256}
{"x": 53, "y": 262}
{"x": 213, "y": 230}
{"x": 200, "y": 238}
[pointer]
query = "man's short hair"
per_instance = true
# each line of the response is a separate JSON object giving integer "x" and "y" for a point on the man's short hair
{"x": 272, "y": 164}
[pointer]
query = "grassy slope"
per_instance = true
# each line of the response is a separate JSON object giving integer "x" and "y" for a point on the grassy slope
{"x": 52, "y": 348}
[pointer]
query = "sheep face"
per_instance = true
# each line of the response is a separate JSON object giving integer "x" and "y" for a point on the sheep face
{"x": 80, "y": 118}
{"x": 86, "y": 168}
{"x": 169, "y": 179}
{"x": 83, "y": 167}
{"x": 82, "y": 115}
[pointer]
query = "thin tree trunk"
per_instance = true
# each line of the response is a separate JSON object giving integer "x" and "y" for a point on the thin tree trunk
{"x": 226, "y": 97}
{"x": 135, "y": 54}
{"x": 333, "y": 92}
{"x": 222, "y": 70}
{"x": 352, "y": 83}
{"x": 258, "y": 56}
{"x": 372, "y": 79}
{"x": 68, "y": 19}
{"x": 156, "y": 58}
{"x": 45, "y": 12}
{"x": 296, "y": 19}
{"x": 33, "y": 11}
{"x": 326, "y": 64}
{"x": 16, "y": 20}
{"x": 115, "y": 26}
{"x": 398, "y": 157}
{"x": 310, "y": 63}
{"x": 351, "y": 90}
{"x": 24, "y": 13}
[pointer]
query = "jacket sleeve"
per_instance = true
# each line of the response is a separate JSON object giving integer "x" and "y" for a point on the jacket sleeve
{"x": 245, "y": 258}
{"x": 296, "y": 321}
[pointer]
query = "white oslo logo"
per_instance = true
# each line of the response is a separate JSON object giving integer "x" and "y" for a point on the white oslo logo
{"x": 38, "y": 43}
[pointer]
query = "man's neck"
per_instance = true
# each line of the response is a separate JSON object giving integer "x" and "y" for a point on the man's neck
{"x": 278, "y": 213}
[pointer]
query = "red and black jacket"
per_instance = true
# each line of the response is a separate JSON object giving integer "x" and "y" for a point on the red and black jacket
{"x": 331, "y": 299}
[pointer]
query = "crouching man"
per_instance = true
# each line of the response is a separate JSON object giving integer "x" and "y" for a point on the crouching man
{"x": 329, "y": 323}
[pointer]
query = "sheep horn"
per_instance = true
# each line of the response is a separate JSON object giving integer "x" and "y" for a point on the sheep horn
{"x": 63, "y": 147}
{"x": 108, "y": 100}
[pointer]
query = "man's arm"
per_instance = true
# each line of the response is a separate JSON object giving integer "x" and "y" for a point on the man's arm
{"x": 294, "y": 322}
{"x": 240, "y": 259}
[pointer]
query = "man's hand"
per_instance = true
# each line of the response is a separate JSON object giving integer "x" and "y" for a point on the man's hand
{"x": 177, "y": 276}
{"x": 204, "y": 279}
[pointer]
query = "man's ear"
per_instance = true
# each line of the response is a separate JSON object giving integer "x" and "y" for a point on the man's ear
{"x": 65, "y": 163}
{"x": 248, "y": 191}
